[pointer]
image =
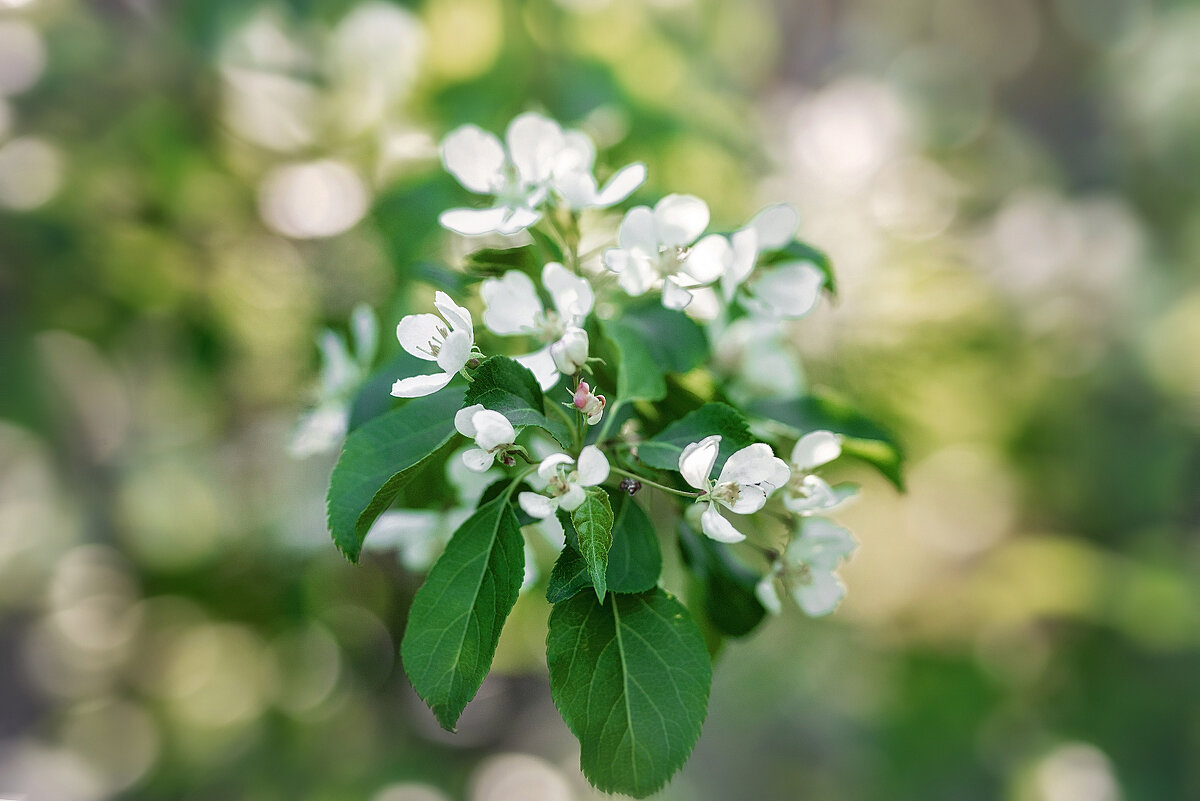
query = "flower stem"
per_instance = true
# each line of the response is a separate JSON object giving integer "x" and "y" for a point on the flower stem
{"x": 654, "y": 484}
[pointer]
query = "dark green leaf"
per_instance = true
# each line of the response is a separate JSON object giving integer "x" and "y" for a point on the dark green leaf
{"x": 631, "y": 679}
{"x": 456, "y": 616}
{"x": 593, "y": 522}
{"x": 726, "y": 585}
{"x": 497, "y": 261}
{"x": 379, "y": 458}
{"x": 862, "y": 438}
{"x": 802, "y": 251}
{"x": 651, "y": 341}
{"x": 663, "y": 449}
{"x": 634, "y": 560}
{"x": 505, "y": 386}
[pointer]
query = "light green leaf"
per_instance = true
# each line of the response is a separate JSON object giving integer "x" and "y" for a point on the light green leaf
{"x": 651, "y": 341}
{"x": 457, "y": 615}
{"x": 663, "y": 449}
{"x": 505, "y": 386}
{"x": 862, "y": 438}
{"x": 593, "y": 522}
{"x": 631, "y": 679}
{"x": 634, "y": 560}
{"x": 379, "y": 458}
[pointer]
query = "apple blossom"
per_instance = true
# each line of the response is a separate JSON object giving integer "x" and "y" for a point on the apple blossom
{"x": 807, "y": 567}
{"x": 589, "y": 403}
{"x": 564, "y": 484}
{"x": 657, "y": 247}
{"x": 808, "y": 493}
{"x": 448, "y": 342}
{"x": 512, "y": 306}
{"x": 785, "y": 290}
{"x": 537, "y": 158}
{"x": 748, "y": 477}
{"x": 494, "y": 435}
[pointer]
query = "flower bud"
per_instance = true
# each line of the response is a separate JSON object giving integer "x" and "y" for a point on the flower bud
{"x": 570, "y": 353}
{"x": 590, "y": 404}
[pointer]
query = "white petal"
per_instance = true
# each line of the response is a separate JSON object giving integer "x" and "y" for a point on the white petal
{"x": 820, "y": 595}
{"x": 822, "y": 544}
{"x": 572, "y": 499}
{"x": 576, "y": 154}
{"x": 717, "y": 527}
{"x": 492, "y": 430}
{"x": 789, "y": 290}
{"x": 338, "y": 370}
{"x": 593, "y": 467}
{"x": 674, "y": 296}
{"x": 639, "y": 274}
{"x": 573, "y": 296}
{"x": 458, "y": 317}
{"x": 549, "y": 466}
{"x": 476, "y": 158}
{"x": 455, "y": 352}
{"x": 541, "y": 364}
{"x": 536, "y": 505}
{"x": 478, "y": 460}
{"x": 577, "y": 189}
{"x": 765, "y": 591}
{"x": 475, "y": 222}
{"x": 680, "y": 219}
{"x": 534, "y": 142}
{"x": 420, "y": 385}
{"x": 364, "y": 325}
{"x": 570, "y": 353}
{"x": 621, "y": 185}
{"x": 416, "y": 331}
{"x": 637, "y": 231}
{"x": 818, "y": 496}
{"x": 462, "y": 420}
{"x": 741, "y": 263}
{"x": 697, "y": 460}
{"x": 756, "y": 465}
{"x": 709, "y": 259}
{"x": 518, "y": 218}
{"x": 815, "y": 449}
{"x": 511, "y": 304}
{"x": 775, "y": 226}
{"x": 750, "y": 499}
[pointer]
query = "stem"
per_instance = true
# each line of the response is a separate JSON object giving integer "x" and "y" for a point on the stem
{"x": 654, "y": 484}
{"x": 612, "y": 415}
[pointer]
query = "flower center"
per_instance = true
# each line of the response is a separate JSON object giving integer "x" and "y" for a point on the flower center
{"x": 560, "y": 484}
{"x": 549, "y": 326}
{"x": 434, "y": 346}
{"x": 726, "y": 492}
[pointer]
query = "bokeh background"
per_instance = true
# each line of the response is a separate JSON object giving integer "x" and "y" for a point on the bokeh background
{"x": 191, "y": 189}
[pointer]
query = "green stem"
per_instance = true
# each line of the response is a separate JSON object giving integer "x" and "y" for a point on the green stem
{"x": 608, "y": 420}
{"x": 654, "y": 484}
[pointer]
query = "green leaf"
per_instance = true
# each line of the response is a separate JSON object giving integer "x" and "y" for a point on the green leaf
{"x": 651, "y": 341}
{"x": 726, "y": 585}
{"x": 593, "y": 522}
{"x": 634, "y": 560}
{"x": 497, "y": 261}
{"x": 456, "y": 616}
{"x": 631, "y": 679}
{"x": 862, "y": 438}
{"x": 663, "y": 449}
{"x": 379, "y": 458}
{"x": 802, "y": 251}
{"x": 505, "y": 386}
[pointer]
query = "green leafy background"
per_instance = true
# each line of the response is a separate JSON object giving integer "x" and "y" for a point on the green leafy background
{"x": 1009, "y": 193}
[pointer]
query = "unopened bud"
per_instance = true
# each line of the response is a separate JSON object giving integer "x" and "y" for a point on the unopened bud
{"x": 630, "y": 485}
{"x": 571, "y": 352}
{"x": 508, "y": 460}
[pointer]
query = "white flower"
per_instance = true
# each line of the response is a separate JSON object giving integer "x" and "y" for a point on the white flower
{"x": 747, "y": 478}
{"x": 786, "y": 290}
{"x": 448, "y": 342}
{"x": 808, "y": 493}
{"x": 537, "y": 158}
{"x": 655, "y": 248}
{"x": 564, "y": 484}
{"x": 512, "y": 306}
{"x": 342, "y": 373}
{"x": 588, "y": 402}
{"x": 492, "y": 432}
{"x": 807, "y": 569}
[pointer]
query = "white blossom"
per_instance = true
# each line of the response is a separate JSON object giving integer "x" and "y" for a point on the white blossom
{"x": 448, "y": 341}
{"x": 806, "y": 492}
{"x": 565, "y": 482}
{"x": 748, "y": 477}
{"x": 786, "y": 290}
{"x": 807, "y": 567}
{"x": 538, "y": 159}
{"x": 494, "y": 435}
{"x": 512, "y": 307}
{"x": 658, "y": 248}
